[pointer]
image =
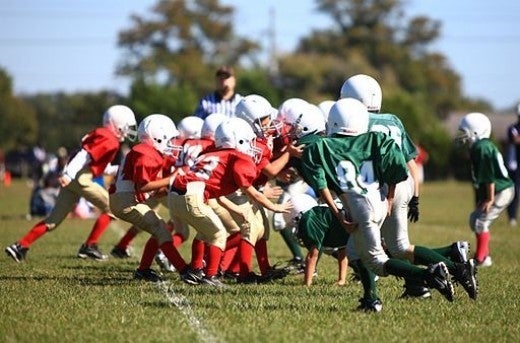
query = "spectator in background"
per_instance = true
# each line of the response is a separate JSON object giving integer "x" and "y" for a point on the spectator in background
{"x": 45, "y": 191}
{"x": 38, "y": 156}
{"x": 224, "y": 99}
{"x": 512, "y": 155}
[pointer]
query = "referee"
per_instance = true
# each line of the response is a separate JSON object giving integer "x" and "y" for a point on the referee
{"x": 224, "y": 99}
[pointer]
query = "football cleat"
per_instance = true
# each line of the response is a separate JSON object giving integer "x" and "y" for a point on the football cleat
{"x": 91, "y": 251}
{"x": 415, "y": 291}
{"x": 459, "y": 251}
{"x": 296, "y": 265}
{"x": 229, "y": 275}
{"x": 16, "y": 252}
{"x": 213, "y": 281}
{"x": 120, "y": 253}
{"x": 192, "y": 276}
{"x": 486, "y": 262}
{"x": 147, "y": 275}
{"x": 369, "y": 305}
{"x": 163, "y": 262}
{"x": 438, "y": 277}
{"x": 465, "y": 274}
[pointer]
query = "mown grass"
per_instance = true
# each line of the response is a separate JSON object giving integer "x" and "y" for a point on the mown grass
{"x": 55, "y": 297}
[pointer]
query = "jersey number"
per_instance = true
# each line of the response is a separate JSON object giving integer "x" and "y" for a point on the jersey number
{"x": 350, "y": 180}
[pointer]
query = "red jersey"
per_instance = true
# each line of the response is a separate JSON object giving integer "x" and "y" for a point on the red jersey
{"x": 223, "y": 171}
{"x": 285, "y": 138}
{"x": 141, "y": 165}
{"x": 102, "y": 146}
{"x": 169, "y": 163}
{"x": 267, "y": 154}
{"x": 191, "y": 149}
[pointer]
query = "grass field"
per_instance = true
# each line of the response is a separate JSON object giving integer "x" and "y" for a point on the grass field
{"x": 56, "y": 297}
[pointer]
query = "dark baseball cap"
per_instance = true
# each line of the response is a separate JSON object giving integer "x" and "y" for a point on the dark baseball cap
{"x": 225, "y": 71}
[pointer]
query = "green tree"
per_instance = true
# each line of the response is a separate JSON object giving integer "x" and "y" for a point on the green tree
{"x": 179, "y": 45}
{"x": 65, "y": 118}
{"x": 18, "y": 124}
{"x": 375, "y": 37}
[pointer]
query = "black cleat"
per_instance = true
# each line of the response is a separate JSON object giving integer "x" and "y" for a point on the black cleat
{"x": 213, "y": 281}
{"x": 192, "y": 276}
{"x": 147, "y": 275}
{"x": 415, "y": 291}
{"x": 368, "y": 305}
{"x": 91, "y": 251}
{"x": 120, "y": 253}
{"x": 459, "y": 251}
{"x": 439, "y": 278}
{"x": 465, "y": 275}
{"x": 16, "y": 252}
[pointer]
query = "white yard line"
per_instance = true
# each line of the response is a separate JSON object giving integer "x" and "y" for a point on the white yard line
{"x": 182, "y": 303}
{"x": 178, "y": 300}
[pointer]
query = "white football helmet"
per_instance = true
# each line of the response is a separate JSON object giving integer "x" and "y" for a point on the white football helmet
{"x": 309, "y": 121}
{"x": 291, "y": 109}
{"x": 211, "y": 123}
{"x": 325, "y": 107}
{"x": 254, "y": 109}
{"x": 121, "y": 121}
{"x": 301, "y": 204}
{"x": 303, "y": 117}
{"x": 190, "y": 127}
{"x": 347, "y": 117}
{"x": 473, "y": 127}
{"x": 236, "y": 133}
{"x": 159, "y": 131}
{"x": 365, "y": 89}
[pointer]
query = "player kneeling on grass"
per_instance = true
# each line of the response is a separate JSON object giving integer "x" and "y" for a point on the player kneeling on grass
{"x": 494, "y": 189}
{"x": 320, "y": 231}
{"x": 139, "y": 178}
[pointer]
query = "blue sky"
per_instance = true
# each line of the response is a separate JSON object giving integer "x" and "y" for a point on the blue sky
{"x": 63, "y": 45}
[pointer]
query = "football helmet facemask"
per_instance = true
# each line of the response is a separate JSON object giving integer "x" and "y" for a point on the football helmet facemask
{"x": 473, "y": 127}
{"x": 121, "y": 121}
{"x": 303, "y": 117}
{"x": 258, "y": 112}
{"x": 236, "y": 133}
{"x": 160, "y": 132}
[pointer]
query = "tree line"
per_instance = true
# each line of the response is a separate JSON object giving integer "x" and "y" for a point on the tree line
{"x": 171, "y": 52}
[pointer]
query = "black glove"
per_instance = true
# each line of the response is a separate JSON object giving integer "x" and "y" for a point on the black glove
{"x": 413, "y": 209}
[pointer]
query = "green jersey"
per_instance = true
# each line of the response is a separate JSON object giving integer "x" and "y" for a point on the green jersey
{"x": 319, "y": 228}
{"x": 353, "y": 163}
{"x": 487, "y": 166}
{"x": 392, "y": 126}
{"x": 308, "y": 140}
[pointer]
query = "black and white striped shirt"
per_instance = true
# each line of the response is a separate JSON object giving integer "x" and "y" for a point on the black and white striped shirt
{"x": 213, "y": 103}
